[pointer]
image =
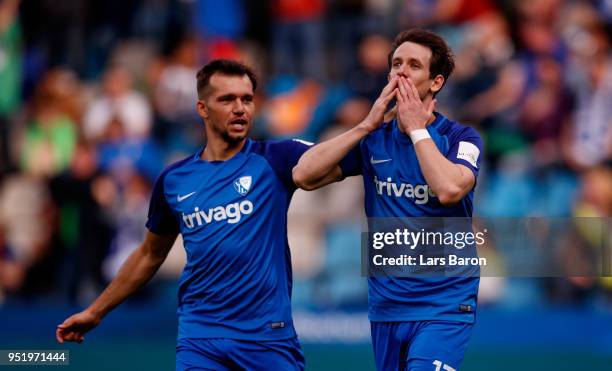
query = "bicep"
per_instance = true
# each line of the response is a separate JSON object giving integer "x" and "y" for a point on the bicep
{"x": 466, "y": 153}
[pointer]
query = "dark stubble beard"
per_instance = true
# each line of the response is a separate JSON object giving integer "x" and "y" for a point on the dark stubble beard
{"x": 231, "y": 141}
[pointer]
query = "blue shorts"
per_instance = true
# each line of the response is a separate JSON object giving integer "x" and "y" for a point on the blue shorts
{"x": 420, "y": 345}
{"x": 221, "y": 354}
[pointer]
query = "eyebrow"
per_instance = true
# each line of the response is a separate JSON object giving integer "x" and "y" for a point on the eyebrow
{"x": 226, "y": 96}
{"x": 411, "y": 59}
{"x": 232, "y": 96}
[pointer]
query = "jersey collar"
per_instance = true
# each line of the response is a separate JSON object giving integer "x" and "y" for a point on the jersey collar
{"x": 245, "y": 148}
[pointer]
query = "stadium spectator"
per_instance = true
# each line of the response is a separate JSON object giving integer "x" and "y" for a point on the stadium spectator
{"x": 49, "y": 137}
{"x": 10, "y": 74}
{"x": 171, "y": 79}
{"x": 85, "y": 224}
{"x": 118, "y": 99}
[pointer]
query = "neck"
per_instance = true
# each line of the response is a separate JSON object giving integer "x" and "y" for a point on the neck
{"x": 220, "y": 150}
{"x": 431, "y": 119}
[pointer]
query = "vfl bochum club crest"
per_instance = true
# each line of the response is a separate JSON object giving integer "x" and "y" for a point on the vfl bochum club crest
{"x": 243, "y": 184}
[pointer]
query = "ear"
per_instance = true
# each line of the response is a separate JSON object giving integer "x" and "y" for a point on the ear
{"x": 202, "y": 109}
{"x": 437, "y": 84}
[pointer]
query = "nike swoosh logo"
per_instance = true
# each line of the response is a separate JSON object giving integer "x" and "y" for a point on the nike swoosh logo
{"x": 374, "y": 162}
{"x": 180, "y": 198}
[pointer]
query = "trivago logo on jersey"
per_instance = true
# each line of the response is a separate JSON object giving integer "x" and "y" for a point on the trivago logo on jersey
{"x": 232, "y": 213}
{"x": 420, "y": 192}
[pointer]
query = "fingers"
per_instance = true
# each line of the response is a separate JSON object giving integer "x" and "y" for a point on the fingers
{"x": 66, "y": 331}
{"x": 58, "y": 335}
{"x": 402, "y": 89}
{"x": 401, "y": 94}
{"x": 408, "y": 89}
{"x": 74, "y": 336}
{"x": 385, "y": 99}
{"x": 412, "y": 89}
{"x": 388, "y": 89}
{"x": 62, "y": 336}
{"x": 394, "y": 93}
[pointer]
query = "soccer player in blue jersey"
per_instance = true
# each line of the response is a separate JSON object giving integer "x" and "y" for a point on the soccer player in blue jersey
{"x": 229, "y": 201}
{"x": 417, "y": 323}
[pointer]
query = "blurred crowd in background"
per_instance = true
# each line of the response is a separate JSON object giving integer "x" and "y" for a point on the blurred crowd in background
{"x": 96, "y": 97}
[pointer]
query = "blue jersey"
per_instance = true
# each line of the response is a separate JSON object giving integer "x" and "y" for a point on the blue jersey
{"x": 233, "y": 218}
{"x": 395, "y": 187}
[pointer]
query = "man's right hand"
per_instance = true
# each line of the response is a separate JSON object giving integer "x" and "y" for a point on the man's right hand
{"x": 75, "y": 327}
{"x": 377, "y": 114}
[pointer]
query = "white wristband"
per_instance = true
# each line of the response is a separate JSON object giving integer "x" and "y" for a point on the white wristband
{"x": 418, "y": 135}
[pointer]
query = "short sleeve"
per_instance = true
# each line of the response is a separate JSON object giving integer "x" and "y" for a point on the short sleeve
{"x": 161, "y": 220}
{"x": 466, "y": 149}
{"x": 283, "y": 155}
{"x": 351, "y": 163}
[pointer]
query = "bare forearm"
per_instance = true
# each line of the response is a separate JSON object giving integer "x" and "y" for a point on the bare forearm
{"x": 321, "y": 159}
{"x": 319, "y": 165}
{"x": 447, "y": 180}
{"x": 137, "y": 270}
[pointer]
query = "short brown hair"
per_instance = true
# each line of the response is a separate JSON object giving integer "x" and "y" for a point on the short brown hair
{"x": 442, "y": 59}
{"x": 225, "y": 67}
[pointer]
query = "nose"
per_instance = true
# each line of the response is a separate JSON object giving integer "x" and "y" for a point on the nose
{"x": 403, "y": 72}
{"x": 238, "y": 108}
